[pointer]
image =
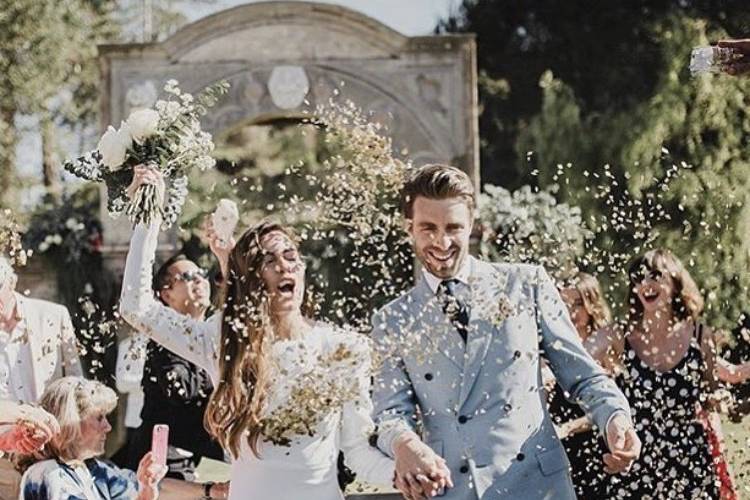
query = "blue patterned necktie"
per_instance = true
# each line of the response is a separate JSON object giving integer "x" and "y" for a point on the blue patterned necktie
{"x": 456, "y": 309}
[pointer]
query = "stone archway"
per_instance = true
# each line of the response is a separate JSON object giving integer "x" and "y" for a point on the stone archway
{"x": 281, "y": 57}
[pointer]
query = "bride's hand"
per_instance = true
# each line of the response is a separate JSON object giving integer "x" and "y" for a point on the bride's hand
{"x": 143, "y": 175}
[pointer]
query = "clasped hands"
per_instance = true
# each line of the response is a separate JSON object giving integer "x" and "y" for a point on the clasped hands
{"x": 420, "y": 472}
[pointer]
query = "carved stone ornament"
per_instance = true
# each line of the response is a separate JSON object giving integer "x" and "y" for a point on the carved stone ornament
{"x": 141, "y": 95}
{"x": 288, "y": 86}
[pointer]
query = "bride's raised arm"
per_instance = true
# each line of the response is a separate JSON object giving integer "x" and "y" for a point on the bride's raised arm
{"x": 197, "y": 341}
{"x": 194, "y": 340}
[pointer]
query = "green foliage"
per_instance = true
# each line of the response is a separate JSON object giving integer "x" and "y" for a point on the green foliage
{"x": 531, "y": 226}
{"x": 671, "y": 171}
{"x": 68, "y": 236}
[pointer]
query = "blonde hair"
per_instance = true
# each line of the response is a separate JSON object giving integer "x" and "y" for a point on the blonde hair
{"x": 70, "y": 400}
{"x": 687, "y": 301}
{"x": 593, "y": 300}
{"x": 437, "y": 182}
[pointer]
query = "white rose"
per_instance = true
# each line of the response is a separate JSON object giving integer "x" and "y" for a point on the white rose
{"x": 114, "y": 145}
{"x": 142, "y": 124}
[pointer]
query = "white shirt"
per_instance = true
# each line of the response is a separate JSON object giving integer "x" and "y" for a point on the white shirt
{"x": 463, "y": 275}
{"x": 131, "y": 358}
{"x": 16, "y": 376}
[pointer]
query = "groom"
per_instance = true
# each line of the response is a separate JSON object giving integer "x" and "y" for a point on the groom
{"x": 462, "y": 355}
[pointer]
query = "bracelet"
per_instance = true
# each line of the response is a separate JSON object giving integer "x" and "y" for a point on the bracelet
{"x": 207, "y": 490}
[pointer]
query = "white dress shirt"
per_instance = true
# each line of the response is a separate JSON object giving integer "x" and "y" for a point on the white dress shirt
{"x": 463, "y": 275}
{"x": 131, "y": 358}
{"x": 16, "y": 367}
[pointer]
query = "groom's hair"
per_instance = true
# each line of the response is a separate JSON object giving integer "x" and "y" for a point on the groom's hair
{"x": 437, "y": 182}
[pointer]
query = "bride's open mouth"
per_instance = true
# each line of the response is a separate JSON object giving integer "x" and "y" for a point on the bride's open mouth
{"x": 286, "y": 287}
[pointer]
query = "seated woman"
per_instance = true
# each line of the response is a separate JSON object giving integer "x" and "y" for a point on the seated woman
{"x": 69, "y": 467}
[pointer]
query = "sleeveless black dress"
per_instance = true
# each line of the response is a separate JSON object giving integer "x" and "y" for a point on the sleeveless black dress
{"x": 675, "y": 461}
{"x": 584, "y": 450}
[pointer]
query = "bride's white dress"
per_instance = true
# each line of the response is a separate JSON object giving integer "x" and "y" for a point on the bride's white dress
{"x": 306, "y": 467}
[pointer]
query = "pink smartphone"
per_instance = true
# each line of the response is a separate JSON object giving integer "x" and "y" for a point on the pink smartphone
{"x": 159, "y": 440}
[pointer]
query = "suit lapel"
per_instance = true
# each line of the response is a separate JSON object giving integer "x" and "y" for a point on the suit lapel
{"x": 36, "y": 339}
{"x": 433, "y": 327}
{"x": 487, "y": 284}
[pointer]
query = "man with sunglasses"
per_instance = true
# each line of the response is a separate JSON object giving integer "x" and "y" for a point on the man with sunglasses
{"x": 176, "y": 391}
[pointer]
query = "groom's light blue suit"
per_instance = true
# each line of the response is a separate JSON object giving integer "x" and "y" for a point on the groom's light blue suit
{"x": 481, "y": 405}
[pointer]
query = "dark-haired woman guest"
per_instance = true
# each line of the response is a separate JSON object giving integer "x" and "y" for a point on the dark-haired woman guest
{"x": 670, "y": 372}
{"x": 290, "y": 392}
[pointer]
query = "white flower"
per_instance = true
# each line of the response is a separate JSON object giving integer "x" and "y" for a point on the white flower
{"x": 114, "y": 145}
{"x": 142, "y": 124}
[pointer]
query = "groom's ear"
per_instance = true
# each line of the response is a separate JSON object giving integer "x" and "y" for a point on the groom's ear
{"x": 408, "y": 225}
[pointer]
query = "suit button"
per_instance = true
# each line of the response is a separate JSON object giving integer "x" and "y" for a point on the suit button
{"x": 464, "y": 469}
{"x": 428, "y": 376}
{"x": 463, "y": 419}
{"x": 517, "y": 355}
{"x": 520, "y": 457}
{"x": 508, "y": 407}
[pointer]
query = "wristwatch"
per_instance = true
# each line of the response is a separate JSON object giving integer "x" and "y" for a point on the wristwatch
{"x": 207, "y": 490}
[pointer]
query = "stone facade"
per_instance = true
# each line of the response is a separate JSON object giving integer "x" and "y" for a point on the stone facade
{"x": 282, "y": 58}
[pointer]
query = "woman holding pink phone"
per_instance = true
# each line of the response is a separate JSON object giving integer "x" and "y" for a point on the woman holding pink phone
{"x": 268, "y": 362}
{"x": 69, "y": 465}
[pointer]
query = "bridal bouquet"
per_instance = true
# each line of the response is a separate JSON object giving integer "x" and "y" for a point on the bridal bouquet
{"x": 168, "y": 138}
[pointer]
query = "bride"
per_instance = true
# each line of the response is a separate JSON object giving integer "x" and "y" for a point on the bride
{"x": 290, "y": 392}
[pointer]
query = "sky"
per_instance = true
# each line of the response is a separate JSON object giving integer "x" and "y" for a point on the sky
{"x": 410, "y": 17}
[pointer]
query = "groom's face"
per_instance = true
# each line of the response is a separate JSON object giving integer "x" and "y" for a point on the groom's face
{"x": 440, "y": 230}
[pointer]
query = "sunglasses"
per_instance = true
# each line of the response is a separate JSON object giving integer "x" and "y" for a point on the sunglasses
{"x": 188, "y": 276}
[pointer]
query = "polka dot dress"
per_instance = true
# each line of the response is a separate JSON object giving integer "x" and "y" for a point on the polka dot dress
{"x": 675, "y": 461}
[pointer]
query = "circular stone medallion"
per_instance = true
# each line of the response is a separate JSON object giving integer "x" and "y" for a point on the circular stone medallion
{"x": 288, "y": 86}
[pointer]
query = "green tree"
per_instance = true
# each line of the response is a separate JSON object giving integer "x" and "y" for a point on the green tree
{"x": 672, "y": 171}
{"x": 606, "y": 52}
{"x": 48, "y": 69}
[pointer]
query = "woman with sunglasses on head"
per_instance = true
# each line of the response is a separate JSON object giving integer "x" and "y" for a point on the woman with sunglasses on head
{"x": 670, "y": 372}
{"x": 290, "y": 392}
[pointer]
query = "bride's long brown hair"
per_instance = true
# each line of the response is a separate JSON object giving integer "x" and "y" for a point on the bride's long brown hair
{"x": 237, "y": 402}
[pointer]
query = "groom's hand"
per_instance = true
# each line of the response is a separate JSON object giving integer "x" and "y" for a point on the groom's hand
{"x": 624, "y": 445}
{"x": 420, "y": 472}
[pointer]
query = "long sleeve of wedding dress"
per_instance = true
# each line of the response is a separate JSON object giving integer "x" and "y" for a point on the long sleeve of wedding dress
{"x": 196, "y": 341}
{"x": 369, "y": 463}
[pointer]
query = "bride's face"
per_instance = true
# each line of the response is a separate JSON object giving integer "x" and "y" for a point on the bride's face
{"x": 283, "y": 273}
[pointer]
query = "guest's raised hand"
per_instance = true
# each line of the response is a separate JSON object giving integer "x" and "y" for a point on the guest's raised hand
{"x": 420, "y": 472}
{"x": 220, "y": 247}
{"x": 623, "y": 443}
{"x": 740, "y": 65}
{"x": 220, "y": 490}
{"x": 149, "y": 474}
{"x": 143, "y": 175}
